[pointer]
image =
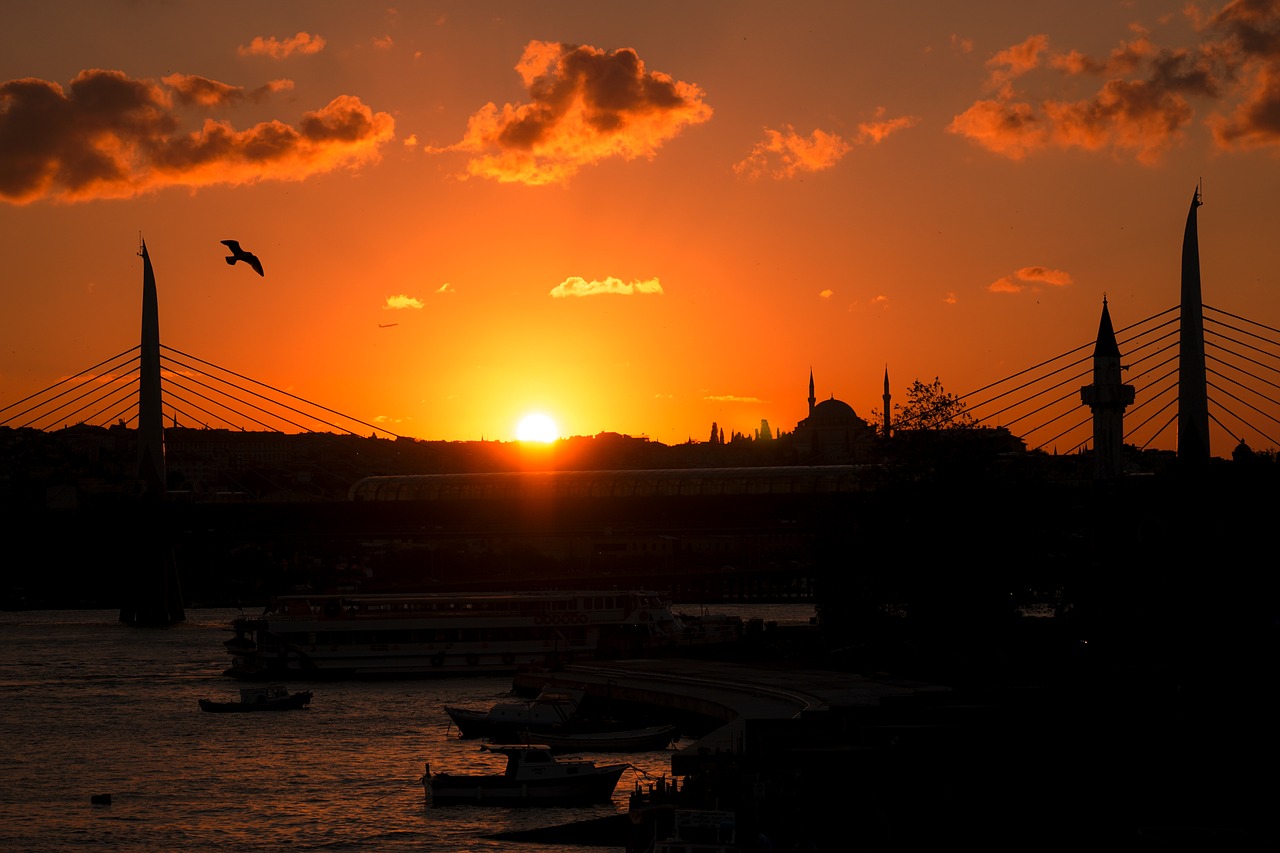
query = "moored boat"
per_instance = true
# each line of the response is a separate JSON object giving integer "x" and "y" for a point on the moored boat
{"x": 553, "y": 706}
{"x": 426, "y": 634}
{"x": 533, "y": 777}
{"x": 272, "y": 697}
{"x": 629, "y": 740}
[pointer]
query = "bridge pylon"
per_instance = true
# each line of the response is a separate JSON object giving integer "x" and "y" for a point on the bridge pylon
{"x": 1193, "y": 392}
{"x": 152, "y": 595}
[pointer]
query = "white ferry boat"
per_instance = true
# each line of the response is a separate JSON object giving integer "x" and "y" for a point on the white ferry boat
{"x": 422, "y": 634}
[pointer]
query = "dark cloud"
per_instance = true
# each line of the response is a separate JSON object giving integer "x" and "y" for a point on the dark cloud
{"x": 1145, "y": 106}
{"x": 585, "y": 104}
{"x": 110, "y": 136}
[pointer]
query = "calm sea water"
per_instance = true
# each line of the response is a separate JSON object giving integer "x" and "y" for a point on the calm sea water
{"x": 90, "y": 706}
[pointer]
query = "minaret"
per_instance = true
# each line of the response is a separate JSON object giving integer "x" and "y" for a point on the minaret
{"x": 812, "y": 399}
{"x": 886, "y": 398}
{"x": 1193, "y": 394}
{"x": 1107, "y": 397}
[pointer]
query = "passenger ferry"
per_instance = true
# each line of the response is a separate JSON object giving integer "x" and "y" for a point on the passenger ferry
{"x": 423, "y": 634}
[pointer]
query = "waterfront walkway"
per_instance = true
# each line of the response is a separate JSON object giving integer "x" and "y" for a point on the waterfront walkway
{"x": 732, "y": 693}
{"x": 1098, "y": 758}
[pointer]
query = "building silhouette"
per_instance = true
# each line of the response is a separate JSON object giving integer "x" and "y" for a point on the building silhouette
{"x": 832, "y": 433}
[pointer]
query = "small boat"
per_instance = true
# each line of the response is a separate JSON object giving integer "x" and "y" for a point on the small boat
{"x": 631, "y": 740}
{"x": 271, "y": 697}
{"x": 533, "y": 777}
{"x": 506, "y": 721}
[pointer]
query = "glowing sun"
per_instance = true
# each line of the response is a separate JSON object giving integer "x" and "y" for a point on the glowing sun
{"x": 537, "y": 427}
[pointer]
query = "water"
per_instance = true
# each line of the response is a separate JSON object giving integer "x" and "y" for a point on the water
{"x": 91, "y": 706}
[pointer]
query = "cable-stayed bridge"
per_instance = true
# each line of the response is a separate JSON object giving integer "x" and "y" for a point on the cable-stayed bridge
{"x": 1041, "y": 404}
{"x": 1190, "y": 365}
{"x": 195, "y": 392}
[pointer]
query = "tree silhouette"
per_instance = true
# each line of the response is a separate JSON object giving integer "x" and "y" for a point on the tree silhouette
{"x": 929, "y": 406}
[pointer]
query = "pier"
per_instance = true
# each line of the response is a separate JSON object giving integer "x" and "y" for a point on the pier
{"x": 1074, "y": 757}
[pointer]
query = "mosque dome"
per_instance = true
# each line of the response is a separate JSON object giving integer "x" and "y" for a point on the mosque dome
{"x": 832, "y": 412}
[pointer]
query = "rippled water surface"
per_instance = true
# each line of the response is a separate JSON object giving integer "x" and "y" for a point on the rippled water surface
{"x": 91, "y": 706}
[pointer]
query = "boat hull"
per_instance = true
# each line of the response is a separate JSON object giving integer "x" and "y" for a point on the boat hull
{"x": 585, "y": 789}
{"x": 636, "y": 740}
{"x": 294, "y": 702}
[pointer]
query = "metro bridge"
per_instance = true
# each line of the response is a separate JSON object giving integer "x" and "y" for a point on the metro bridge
{"x": 1187, "y": 366}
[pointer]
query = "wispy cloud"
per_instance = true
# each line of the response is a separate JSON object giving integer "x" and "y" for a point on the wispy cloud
{"x": 585, "y": 105}
{"x": 731, "y": 398}
{"x": 201, "y": 91}
{"x": 876, "y": 130}
{"x": 1145, "y": 103}
{"x": 578, "y": 286}
{"x": 403, "y": 301}
{"x": 1030, "y": 278}
{"x": 112, "y": 136}
{"x": 445, "y": 288}
{"x": 302, "y": 43}
{"x": 784, "y": 153}
{"x": 826, "y": 293}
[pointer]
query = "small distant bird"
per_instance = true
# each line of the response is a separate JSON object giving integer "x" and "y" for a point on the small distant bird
{"x": 238, "y": 254}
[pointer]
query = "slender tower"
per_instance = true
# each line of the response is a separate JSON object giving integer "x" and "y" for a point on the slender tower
{"x": 1193, "y": 395}
{"x": 886, "y": 398}
{"x": 1107, "y": 397}
{"x": 153, "y": 596}
{"x": 151, "y": 473}
{"x": 812, "y": 399}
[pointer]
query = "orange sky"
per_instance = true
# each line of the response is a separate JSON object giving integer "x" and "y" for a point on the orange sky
{"x": 635, "y": 218}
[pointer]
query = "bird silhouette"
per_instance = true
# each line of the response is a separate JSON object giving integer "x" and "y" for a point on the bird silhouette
{"x": 238, "y": 254}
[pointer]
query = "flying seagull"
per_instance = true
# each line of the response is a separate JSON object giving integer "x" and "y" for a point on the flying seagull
{"x": 238, "y": 254}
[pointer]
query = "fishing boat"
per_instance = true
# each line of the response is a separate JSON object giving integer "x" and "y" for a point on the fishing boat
{"x": 629, "y": 740}
{"x": 272, "y": 697}
{"x": 533, "y": 777}
{"x": 427, "y": 634}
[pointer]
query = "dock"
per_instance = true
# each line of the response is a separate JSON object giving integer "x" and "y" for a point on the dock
{"x": 808, "y": 756}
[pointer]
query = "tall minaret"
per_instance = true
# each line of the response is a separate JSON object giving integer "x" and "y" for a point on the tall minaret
{"x": 886, "y": 398}
{"x": 1193, "y": 394}
{"x": 1107, "y": 397}
{"x": 812, "y": 399}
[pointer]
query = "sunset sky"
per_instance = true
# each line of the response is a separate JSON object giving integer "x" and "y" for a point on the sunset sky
{"x": 636, "y": 218}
